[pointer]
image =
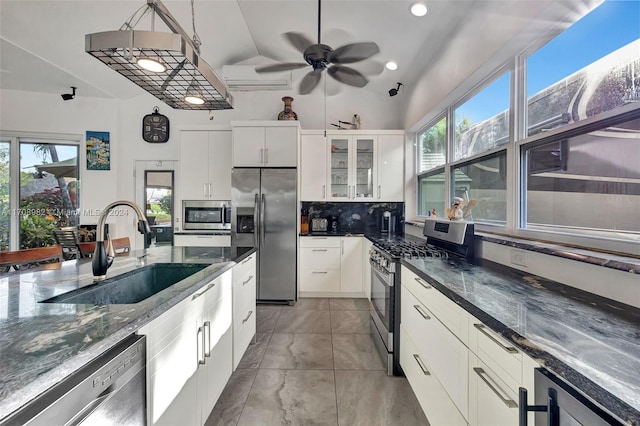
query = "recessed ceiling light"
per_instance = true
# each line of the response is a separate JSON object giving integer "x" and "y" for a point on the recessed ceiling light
{"x": 418, "y": 9}
{"x": 391, "y": 66}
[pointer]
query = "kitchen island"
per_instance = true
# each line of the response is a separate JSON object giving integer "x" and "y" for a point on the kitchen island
{"x": 591, "y": 342}
{"x": 43, "y": 343}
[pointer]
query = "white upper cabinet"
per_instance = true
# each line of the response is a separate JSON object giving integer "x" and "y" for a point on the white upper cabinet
{"x": 273, "y": 145}
{"x": 313, "y": 165}
{"x": 390, "y": 168}
{"x": 355, "y": 166}
{"x": 205, "y": 165}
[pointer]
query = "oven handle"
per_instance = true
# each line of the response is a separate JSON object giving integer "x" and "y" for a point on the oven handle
{"x": 524, "y": 408}
{"x": 386, "y": 278}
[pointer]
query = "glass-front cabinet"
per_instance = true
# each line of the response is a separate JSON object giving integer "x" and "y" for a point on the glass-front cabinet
{"x": 352, "y": 161}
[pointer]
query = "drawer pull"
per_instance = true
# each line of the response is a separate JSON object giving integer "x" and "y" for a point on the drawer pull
{"x": 508, "y": 402}
{"x": 422, "y": 283}
{"x": 248, "y": 279}
{"x": 421, "y": 365}
{"x": 247, "y": 318}
{"x": 246, "y": 260}
{"x": 319, "y": 272}
{"x": 319, "y": 250}
{"x": 421, "y": 312}
{"x": 209, "y": 287}
{"x": 509, "y": 349}
{"x": 319, "y": 238}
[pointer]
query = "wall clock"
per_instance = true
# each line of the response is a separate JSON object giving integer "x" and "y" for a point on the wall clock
{"x": 155, "y": 127}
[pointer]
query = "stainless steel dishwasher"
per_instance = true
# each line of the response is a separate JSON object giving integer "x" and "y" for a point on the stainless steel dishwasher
{"x": 110, "y": 390}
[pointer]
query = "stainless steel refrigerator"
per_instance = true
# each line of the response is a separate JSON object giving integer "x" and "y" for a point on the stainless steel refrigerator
{"x": 264, "y": 215}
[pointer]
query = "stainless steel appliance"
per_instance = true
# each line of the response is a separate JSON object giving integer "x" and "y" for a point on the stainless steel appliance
{"x": 109, "y": 390}
{"x": 444, "y": 238}
{"x": 206, "y": 215}
{"x": 264, "y": 215}
{"x": 319, "y": 224}
{"x": 558, "y": 404}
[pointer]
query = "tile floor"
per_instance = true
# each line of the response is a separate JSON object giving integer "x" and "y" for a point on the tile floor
{"x": 315, "y": 364}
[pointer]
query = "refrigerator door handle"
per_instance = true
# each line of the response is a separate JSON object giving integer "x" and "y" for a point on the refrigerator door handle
{"x": 256, "y": 224}
{"x": 262, "y": 214}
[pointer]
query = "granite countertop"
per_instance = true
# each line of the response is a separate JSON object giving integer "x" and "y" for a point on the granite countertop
{"x": 42, "y": 343}
{"x": 591, "y": 342}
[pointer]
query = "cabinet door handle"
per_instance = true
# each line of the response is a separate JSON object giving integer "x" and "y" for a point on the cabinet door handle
{"x": 209, "y": 287}
{"x": 266, "y": 156}
{"x": 379, "y": 192}
{"x": 248, "y": 279}
{"x": 204, "y": 190}
{"x": 420, "y": 311}
{"x": 200, "y": 341}
{"x": 324, "y": 191}
{"x": 421, "y": 365}
{"x": 209, "y": 189}
{"x": 319, "y": 250}
{"x": 422, "y": 283}
{"x": 247, "y": 318}
{"x": 483, "y": 375}
{"x": 261, "y": 155}
{"x": 319, "y": 272}
{"x": 342, "y": 246}
{"x": 509, "y": 349}
{"x": 206, "y": 341}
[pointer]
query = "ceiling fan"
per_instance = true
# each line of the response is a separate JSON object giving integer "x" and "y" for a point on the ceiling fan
{"x": 322, "y": 57}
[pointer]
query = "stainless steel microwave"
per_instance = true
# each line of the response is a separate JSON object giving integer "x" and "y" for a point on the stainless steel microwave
{"x": 199, "y": 215}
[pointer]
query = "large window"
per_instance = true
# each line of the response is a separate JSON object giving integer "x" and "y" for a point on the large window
{"x": 5, "y": 200}
{"x": 482, "y": 123}
{"x": 589, "y": 181}
{"x": 48, "y": 191}
{"x": 431, "y": 193}
{"x": 485, "y": 181}
{"x": 586, "y": 70}
{"x": 432, "y": 146}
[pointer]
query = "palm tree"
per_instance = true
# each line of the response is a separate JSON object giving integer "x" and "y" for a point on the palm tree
{"x": 42, "y": 150}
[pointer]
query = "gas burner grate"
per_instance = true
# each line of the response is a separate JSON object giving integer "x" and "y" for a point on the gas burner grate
{"x": 410, "y": 250}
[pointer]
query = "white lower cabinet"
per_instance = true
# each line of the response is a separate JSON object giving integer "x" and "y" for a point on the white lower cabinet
{"x": 331, "y": 266}
{"x": 244, "y": 307}
{"x": 189, "y": 356}
{"x": 366, "y": 268}
{"x": 434, "y": 400}
{"x": 459, "y": 369}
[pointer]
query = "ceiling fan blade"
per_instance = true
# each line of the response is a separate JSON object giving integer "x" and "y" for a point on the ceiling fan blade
{"x": 369, "y": 67}
{"x": 353, "y": 52}
{"x": 298, "y": 40}
{"x": 282, "y": 67}
{"x": 310, "y": 81}
{"x": 347, "y": 75}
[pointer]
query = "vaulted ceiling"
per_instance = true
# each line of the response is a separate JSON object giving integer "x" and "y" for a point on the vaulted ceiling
{"x": 42, "y": 42}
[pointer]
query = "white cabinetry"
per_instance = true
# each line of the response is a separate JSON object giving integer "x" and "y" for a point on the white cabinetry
{"x": 461, "y": 371}
{"x": 189, "y": 356}
{"x": 244, "y": 306}
{"x": 205, "y": 165}
{"x": 265, "y": 144}
{"x": 366, "y": 268}
{"x": 331, "y": 266}
{"x": 352, "y": 166}
{"x": 191, "y": 240}
{"x": 313, "y": 167}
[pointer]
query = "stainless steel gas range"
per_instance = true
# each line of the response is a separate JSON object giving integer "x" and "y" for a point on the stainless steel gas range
{"x": 444, "y": 238}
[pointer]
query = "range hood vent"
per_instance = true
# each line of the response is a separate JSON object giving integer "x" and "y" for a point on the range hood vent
{"x": 245, "y": 78}
{"x": 185, "y": 68}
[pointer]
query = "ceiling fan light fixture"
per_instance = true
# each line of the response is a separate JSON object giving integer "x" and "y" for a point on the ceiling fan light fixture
{"x": 418, "y": 9}
{"x": 391, "y": 66}
{"x": 151, "y": 64}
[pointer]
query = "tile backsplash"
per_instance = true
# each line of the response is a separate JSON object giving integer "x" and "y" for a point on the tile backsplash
{"x": 356, "y": 218}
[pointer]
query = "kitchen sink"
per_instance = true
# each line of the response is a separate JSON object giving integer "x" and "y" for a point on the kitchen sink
{"x": 130, "y": 287}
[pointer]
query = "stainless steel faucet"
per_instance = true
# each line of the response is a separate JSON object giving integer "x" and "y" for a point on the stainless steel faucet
{"x": 101, "y": 259}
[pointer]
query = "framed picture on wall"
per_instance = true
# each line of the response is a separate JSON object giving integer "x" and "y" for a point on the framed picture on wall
{"x": 98, "y": 151}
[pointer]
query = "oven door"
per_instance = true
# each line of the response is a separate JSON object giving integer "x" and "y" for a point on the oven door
{"x": 382, "y": 302}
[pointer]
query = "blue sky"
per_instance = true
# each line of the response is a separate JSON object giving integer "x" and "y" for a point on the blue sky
{"x": 615, "y": 23}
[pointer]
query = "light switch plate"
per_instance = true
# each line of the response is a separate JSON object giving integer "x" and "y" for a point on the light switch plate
{"x": 519, "y": 257}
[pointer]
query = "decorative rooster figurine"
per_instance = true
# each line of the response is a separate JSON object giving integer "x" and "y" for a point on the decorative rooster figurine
{"x": 458, "y": 210}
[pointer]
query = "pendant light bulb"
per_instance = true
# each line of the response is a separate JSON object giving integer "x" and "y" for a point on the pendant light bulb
{"x": 151, "y": 64}
{"x": 194, "y": 95}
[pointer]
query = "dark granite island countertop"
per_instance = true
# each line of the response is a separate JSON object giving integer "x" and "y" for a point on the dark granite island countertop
{"x": 591, "y": 342}
{"x": 42, "y": 343}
